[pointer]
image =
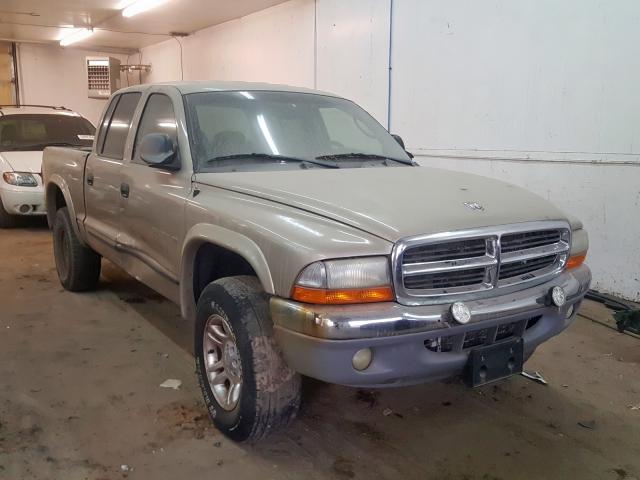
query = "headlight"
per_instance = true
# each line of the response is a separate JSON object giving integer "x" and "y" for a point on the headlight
{"x": 579, "y": 247}
{"x": 20, "y": 179}
{"x": 353, "y": 280}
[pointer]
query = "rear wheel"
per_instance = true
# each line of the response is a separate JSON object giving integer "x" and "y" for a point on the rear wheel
{"x": 247, "y": 386}
{"x": 6, "y": 220}
{"x": 78, "y": 266}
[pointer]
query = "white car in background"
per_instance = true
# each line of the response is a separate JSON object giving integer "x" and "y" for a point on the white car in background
{"x": 25, "y": 131}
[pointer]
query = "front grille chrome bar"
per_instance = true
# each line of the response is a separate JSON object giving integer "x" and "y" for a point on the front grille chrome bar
{"x": 537, "y": 252}
{"x": 534, "y": 251}
{"x": 448, "y": 266}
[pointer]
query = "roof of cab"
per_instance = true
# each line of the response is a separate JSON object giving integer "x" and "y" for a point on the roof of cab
{"x": 36, "y": 109}
{"x": 220, "y": 86}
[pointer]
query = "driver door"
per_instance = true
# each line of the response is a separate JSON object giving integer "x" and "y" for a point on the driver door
{"x": 152, "y": 226}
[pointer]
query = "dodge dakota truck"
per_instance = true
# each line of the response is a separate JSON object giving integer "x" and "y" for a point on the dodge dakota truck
{"x": 302, "y": 239}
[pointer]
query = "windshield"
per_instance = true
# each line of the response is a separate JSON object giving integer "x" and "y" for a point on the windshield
{"x": 36, "y": 131}
{"x": 266, "y": 130}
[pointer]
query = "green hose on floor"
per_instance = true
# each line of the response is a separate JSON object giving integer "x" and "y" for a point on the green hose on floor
{"x": 628, "y": 320}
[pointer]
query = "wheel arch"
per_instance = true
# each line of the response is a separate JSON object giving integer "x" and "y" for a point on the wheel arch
{"x": 235, "y": 248}
{"x": 57, "y": 196}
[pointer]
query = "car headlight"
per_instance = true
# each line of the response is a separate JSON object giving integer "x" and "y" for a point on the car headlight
{"x": 20, "y": 179}
{"x": 352, "y": 280}
{"x": 579, "y": 247}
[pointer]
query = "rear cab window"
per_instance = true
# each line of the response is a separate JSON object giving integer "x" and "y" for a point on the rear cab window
{"x": 118, "y": 125}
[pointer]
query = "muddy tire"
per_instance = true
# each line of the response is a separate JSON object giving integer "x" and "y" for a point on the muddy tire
{"x": 6, "y": 220}
{"x": 78, "y": 266}
{"x": 234, "y": 344}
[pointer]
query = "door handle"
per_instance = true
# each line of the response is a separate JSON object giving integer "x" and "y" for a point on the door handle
{"x": 124, "y": 190}
{"x": 90, "y": 179}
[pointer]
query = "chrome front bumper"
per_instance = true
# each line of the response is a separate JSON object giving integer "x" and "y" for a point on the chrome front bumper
{"x": 343, "y": 322}
{"x": 320, "y": 341}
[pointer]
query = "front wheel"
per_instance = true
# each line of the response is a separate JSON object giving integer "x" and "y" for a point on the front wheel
{"x": 247, "y": 386}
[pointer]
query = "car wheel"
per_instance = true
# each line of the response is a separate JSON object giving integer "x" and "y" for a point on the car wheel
{"x": 6, "y": 220}
{"x": 247, "y": 386}
{"x": 78, "y": 266}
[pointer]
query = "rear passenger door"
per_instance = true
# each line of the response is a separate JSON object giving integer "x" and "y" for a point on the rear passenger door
{"x": 103, "y": 176}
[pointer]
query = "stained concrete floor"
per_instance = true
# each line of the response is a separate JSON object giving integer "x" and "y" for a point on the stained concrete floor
{"x": 80, "y": 398}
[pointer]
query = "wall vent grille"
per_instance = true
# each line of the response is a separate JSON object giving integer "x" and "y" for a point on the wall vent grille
{"x": 103, "y": 76}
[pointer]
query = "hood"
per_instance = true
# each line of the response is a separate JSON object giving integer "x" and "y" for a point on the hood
{"x": 393, "y": 203}
{"x": 24, "y": 161}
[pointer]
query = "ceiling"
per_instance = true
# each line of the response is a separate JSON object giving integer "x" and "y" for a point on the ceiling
{"x": 46, "y": 21}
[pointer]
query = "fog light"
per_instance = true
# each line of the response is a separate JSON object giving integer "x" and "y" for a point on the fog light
{"x": 24, "y": 208}
{"x": 558, "y": 296}
{"x": 460, "y": 312}
{"x": 569, "y": 312}
{"x": 362, "y": 359}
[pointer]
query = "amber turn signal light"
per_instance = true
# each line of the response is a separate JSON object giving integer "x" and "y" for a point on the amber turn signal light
{"x": 576, "y": 260}
{"x": 336, "y": 297}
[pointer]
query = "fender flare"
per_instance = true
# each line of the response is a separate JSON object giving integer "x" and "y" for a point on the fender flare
{"x": 203, "y": 233}
{"x": 58, "y": 181}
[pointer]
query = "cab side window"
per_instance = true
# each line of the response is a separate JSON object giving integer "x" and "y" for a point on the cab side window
{"x": 158, "y": 117}
{"x": 115, "y": 137}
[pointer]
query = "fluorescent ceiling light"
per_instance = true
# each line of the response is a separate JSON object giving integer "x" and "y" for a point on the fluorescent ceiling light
{"x": 76, "y": 35}
{"x": 141, "y": 6}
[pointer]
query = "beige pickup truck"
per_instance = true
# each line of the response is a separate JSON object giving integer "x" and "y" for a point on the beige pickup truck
{"x": 302, "y": 239}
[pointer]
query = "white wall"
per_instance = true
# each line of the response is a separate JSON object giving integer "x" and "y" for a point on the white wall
{"x": 539, "y": 93}
{"x": 525, "y": 75}
{"x": 52, "y": 75}
{"x": 274, "y": 45}
{"x": 353, "y": 52}
{"x": 278, "y": 45}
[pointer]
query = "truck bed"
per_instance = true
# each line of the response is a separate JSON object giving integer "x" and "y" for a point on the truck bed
{"x": 65, "y": 167}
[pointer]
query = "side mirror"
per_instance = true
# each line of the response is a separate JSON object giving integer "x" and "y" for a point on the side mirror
{"x": 398, "y": 139}
{"x": 158, "y": 150}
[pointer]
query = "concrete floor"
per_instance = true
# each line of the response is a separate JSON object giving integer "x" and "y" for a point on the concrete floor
{"x": 80, "y": 398}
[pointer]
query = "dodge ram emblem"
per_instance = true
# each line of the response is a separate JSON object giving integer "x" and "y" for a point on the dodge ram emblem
{"x": 474, "y": 206}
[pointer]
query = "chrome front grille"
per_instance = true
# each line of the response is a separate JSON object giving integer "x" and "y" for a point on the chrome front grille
{"x": 475, "y": 247}
{"x": 455, "y": 263}
{"x": 450, "y": 279}
{"x": 520, "y": 241}
{"x": 523, "y": 267}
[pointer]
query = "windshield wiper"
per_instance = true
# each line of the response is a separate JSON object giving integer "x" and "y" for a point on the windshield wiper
{"x": 269, "y": 156}
{"x": 363, "y": 156}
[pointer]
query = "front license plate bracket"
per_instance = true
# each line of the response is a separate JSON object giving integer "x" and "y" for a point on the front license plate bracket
{"x": 494, "y": 362}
